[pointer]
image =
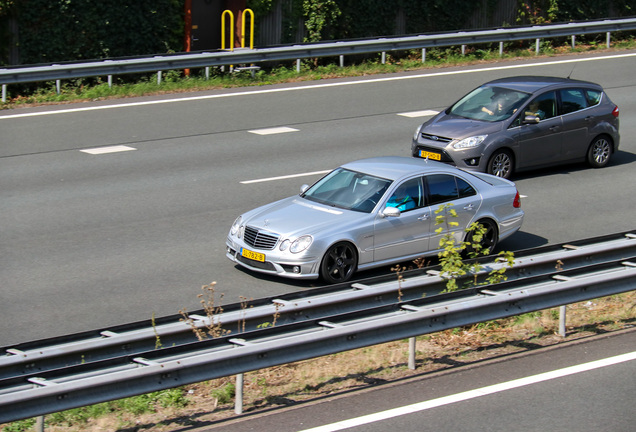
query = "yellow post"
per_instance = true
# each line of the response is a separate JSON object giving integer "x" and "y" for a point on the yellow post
{"x": 231, "y": 29}
{"x": 251, "y": 28}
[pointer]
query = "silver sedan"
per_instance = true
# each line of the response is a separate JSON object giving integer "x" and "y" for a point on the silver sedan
{"x": 371, "y": 213}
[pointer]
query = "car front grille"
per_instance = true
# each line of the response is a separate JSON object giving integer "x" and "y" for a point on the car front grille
{"x": 260, "y": 239}
{"x": 436, "y": 138}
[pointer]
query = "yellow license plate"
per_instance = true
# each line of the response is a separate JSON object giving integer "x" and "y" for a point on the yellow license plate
{"x": 252, "y": 255}
{"x": 430, "y": 155}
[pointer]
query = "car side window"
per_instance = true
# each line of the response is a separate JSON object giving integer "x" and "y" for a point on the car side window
{"x": 543, "y": 106}
{"x": 572, "y": 100}
{"x": 464, "y": 188}
{"x": 593, "y": 97}
{"x": 441, "y": 188}
{"x": 407, "y": 196}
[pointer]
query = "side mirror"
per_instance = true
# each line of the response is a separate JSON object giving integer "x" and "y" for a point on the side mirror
{"x": 303, "y": 188}
{"x": 531, "y": 119}
{"x": 390, "y": 212}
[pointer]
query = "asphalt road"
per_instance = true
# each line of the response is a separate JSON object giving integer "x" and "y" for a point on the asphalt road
{"x": 583, "y": 386}
{"x": 94, "y": 240}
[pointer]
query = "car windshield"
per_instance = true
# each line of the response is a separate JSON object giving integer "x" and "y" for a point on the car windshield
{"x": 349, "y": 190}
{"x": 489, "y": 103}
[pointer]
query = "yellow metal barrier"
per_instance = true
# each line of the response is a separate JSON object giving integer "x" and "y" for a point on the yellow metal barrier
{"x": 251, "y": 28}
{"x": 231, "y": 29}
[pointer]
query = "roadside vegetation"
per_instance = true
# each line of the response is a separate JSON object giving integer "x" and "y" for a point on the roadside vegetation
{"x": 205, "y": 403}
{"x": 95, "y": 89}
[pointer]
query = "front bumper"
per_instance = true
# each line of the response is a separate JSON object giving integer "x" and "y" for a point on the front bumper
{"x": 469, "y": 159}
{"x": 302, "y": 266}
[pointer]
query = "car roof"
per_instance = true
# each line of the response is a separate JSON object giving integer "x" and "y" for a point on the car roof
{"x": 531, "y": 84}
{"x": 397, "y": 167}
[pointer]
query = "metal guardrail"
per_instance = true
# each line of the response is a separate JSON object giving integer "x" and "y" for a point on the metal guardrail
{"x": 594, "y": 269}
{"x": 60, "y": 71}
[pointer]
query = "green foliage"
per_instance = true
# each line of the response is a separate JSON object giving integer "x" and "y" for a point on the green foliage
{"x": 453, "y": 252}
{"x": 320, "y": 17}
{"x": 224, "y": 394}
{"x": 63, "y": 30}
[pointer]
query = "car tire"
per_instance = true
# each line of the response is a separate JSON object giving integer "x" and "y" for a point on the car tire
{"x": 488, "y": 241}
{"x": 501, "y": 164}
{"x": 339, "y": 263}
{"x": 598, "y": 155}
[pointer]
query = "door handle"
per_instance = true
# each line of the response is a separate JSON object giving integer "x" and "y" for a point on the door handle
{"x": 554, "y": 128}
{"x": 423, "y": 217}
{"x": 469, "y": 207}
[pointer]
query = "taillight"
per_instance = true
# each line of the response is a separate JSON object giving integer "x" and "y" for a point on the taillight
{"x": 615, "y": 112}
{"x": 517, "y": 202}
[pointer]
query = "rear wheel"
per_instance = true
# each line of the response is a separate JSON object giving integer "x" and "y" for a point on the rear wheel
{"x": 339, "y": 263}
{"x": 598, "y": 155}
{"x": 501, "y": 164}
{"x": 488, "y": 240}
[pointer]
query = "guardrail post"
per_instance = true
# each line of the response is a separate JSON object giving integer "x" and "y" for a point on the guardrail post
{"x": 341, "y": 61}
{"x": 39, "y": 424}
{"x": 573, "y": 41}
{"x": 608, "y": 37}
{"x": 463, "y": 50}
{"x": 383, "y": 57}
{"x": 562, "y": 331}
{"x": 423, "y": 55}
{"x": 500, "y": 49}
{"x": 58, "y": 86}
{"x": 537, "y": 45}
{"x": 238, "y": 395}
{"x": 412, "y": 353}
{"x": 297, "y": 65}
{"x": 207, "y": 73}
{"x": 4, "y": 93}
{"x": 159, "y": 77}
{"x": 110, "y": 81}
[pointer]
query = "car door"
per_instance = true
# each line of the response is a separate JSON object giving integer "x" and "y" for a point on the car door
{"x": 460, "y": 196}
{"x": 541, "y": 143}
{"x": 408, "y": 233}
{"x": 577, "y": 119}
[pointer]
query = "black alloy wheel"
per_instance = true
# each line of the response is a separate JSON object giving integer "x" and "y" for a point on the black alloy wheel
{"x": 339, "y": 263}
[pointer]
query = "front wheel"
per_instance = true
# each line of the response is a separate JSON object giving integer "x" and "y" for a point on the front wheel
{"x": 339, "y": 263}
{"x": 501, "y": 164}
{"x": 598, "y": 155}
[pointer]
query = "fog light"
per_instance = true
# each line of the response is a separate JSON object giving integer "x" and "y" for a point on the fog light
{"x": 296, "y": 269}
{"x": 472, "y": 162}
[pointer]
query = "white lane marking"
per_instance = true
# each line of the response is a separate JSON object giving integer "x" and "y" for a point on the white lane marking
{"x": 421, "y": 406}
{"x": 315, "y": 86}
{"x": 274, "y": 130}
{"x": 284, "y": 177}
{"x": 105, "y": 150}
{"x": 414, "y": 114}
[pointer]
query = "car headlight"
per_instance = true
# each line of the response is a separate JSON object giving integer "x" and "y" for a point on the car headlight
{"x": 235, "y": 230}
{"x": 284, "y": 245}
{"x": 301, "y": 243}
{"x": 416, "y": 135}
{"x": 469, "y": 142}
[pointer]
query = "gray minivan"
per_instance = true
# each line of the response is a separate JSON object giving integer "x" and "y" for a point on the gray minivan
{"x": 520, "y": 123}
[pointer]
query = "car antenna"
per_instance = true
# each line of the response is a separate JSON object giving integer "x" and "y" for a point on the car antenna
{"x": 572, "y": 71}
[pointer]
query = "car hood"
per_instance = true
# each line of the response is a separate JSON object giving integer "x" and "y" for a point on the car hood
{"x": 298, "y": 216}
{"x": 454, "y": 127}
